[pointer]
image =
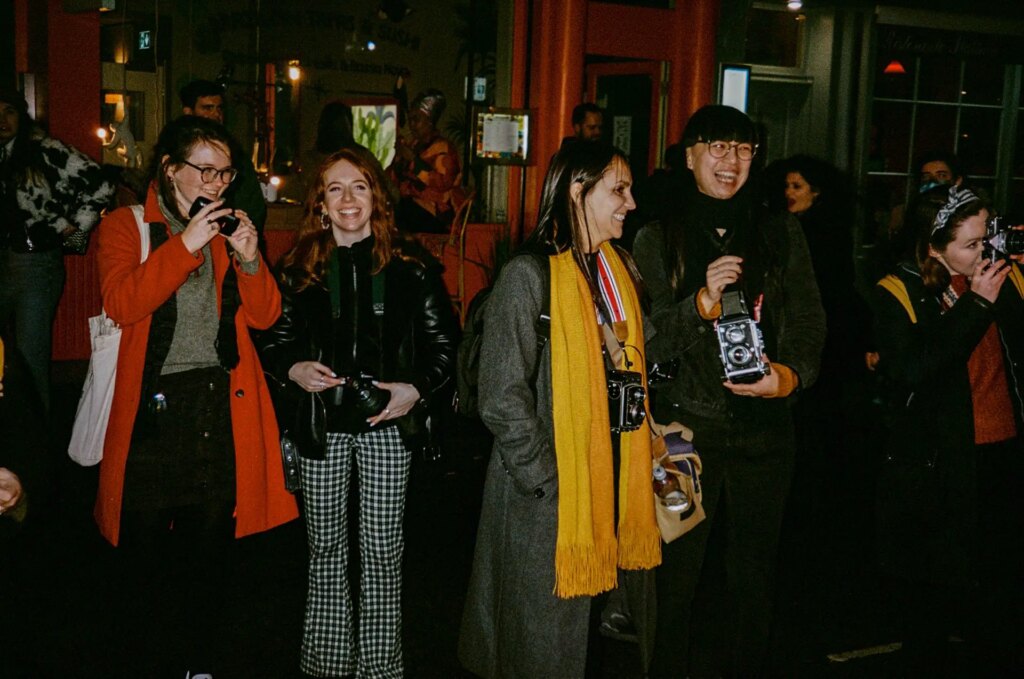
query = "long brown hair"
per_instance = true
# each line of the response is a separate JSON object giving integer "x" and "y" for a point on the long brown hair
{"x": 934, "y": 274}
{"x": 174, "y": 146}
{"x": 316, "y": 242}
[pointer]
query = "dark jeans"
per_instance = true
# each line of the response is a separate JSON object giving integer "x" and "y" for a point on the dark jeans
{"x": 715, "y": 585}
{"x": 30, "y": 288}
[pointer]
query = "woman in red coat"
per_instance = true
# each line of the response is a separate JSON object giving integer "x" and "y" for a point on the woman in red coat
{"x": 191, "y": 455}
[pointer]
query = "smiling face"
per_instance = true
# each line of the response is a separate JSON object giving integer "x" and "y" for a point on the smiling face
{"x": 963, "y": 253}
{"x": 348, "y": 202}
{"x": 717, "y": 177}
{"x": 607, "y": 203}
{"x": 8, "y": 122}
{"x": 187, "y": 180}
{"x": 799, "y": 194}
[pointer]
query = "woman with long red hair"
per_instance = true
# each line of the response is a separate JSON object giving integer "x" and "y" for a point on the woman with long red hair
{"x": 366, "y": 338}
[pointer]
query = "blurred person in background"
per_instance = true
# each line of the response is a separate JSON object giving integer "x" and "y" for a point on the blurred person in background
{"x": 51, "y": 195}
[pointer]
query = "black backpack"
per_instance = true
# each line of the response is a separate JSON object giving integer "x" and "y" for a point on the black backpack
{"x": 467, "y": 362}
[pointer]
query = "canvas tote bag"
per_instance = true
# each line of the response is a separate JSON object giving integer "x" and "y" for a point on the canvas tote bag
{"x": 90, "y": 428}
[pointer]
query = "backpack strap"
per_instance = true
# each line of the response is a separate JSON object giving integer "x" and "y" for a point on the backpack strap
{"x": 543, "y": 323}
{"x": 897, "y": 289}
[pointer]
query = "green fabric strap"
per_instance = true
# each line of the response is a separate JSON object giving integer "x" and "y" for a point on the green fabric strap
{"x": 334, "y": 287}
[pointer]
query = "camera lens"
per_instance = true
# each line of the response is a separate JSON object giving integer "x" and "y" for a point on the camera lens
{"x": 735, "y": 335}
{"x": 739, "y": 355}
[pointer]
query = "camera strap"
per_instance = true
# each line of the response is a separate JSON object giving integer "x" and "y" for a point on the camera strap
{"x": 611, "y": 313}
{"x": 334, "y": 287}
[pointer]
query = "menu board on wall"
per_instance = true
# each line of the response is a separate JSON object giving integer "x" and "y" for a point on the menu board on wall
{"x": 501, "y": 136}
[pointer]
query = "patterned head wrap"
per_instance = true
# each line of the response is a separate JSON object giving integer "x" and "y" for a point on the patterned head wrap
{"x": 957, "y": 197}
{"x": 432, "y": 102}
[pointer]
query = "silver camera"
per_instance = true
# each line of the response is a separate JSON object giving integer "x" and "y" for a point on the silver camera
{"x": 740, "y": 341}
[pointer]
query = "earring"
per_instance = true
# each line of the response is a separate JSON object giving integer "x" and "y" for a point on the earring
{"x": 325, "y": 221}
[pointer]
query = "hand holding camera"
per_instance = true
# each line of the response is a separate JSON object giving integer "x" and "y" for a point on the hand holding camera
{"x": 403, "y": 398}
{"x": 211, "y": 217}
{"x": 988, "y": 278}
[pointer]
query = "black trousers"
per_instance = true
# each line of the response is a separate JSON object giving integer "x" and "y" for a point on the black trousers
{"x": 987, "y": 613}
{"x": 177, "y": 530}
{"x": 715, "y": 585}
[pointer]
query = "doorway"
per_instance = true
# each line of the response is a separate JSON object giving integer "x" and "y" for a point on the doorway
{"x": 632, "y": 96}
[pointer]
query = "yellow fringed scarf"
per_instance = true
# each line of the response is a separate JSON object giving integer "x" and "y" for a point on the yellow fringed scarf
{"x": 587, "y": 551}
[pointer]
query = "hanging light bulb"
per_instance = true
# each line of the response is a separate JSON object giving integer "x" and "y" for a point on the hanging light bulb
{"x": 294, "y": 70}
{"x": 795, "y": 5}
{"x": 895, "y": 68}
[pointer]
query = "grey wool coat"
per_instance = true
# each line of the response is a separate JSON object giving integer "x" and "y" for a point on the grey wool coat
{"x": 513, "y": 625}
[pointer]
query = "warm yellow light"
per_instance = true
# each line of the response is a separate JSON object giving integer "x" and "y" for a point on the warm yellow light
{"x": 294, "y": 72}
{"x": 275, "y": 181}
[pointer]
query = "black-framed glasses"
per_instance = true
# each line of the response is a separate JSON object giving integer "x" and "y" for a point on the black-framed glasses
{"x": 720, "y": 149}
{"x": 209, "y": 174}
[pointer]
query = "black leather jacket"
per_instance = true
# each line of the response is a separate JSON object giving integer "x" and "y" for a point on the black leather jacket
{"x": 414, "y": 341}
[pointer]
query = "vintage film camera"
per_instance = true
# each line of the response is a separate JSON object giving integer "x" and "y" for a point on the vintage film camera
{"x": 1000, "y": 240}
{"x": 626, "y": 410}
{"x": 740, "y": 341}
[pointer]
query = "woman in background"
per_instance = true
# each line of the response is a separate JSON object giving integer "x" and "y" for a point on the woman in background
{"x": 426, "y": 169}
{"x": 51, "y": 195}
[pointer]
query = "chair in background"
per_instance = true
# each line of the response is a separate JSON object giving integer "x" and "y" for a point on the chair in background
{"x": 457, "y": 239}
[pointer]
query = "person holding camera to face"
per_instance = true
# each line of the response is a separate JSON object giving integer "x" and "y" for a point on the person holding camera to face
{"x": 191, "y": 456}
{"x": 950, "y": 333}
{"x": 367, "y": 337}
{"x": 568, "y": 496}
{"x": 731, "y": 285}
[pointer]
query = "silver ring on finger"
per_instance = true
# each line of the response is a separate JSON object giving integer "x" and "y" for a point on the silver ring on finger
{"x": 387, "y": 411}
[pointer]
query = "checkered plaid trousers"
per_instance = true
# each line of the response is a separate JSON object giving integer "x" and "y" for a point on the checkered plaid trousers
{"x": 328, "y": 640}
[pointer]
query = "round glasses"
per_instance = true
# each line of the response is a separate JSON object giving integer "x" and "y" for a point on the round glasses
{"x": 720, "y": 149}
{"x": 209, "y": 174}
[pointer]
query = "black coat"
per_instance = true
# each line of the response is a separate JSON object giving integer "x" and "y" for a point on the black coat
{"x": 417, "y": 340}
{"x": 793, "y": 313}
{"x": 927, "y": 501}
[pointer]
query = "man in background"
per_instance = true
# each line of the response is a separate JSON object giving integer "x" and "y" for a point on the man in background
{"x": 587, "y": 122}
{"x": 205, "y": 99}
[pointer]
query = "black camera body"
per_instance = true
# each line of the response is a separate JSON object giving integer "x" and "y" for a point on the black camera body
{"x": 362, "y": 395}
{"x": 740, "y": 342}
{"x": 626, "y": 395}
{"x": 1001, "y": 241}
{"x": 227, "y": 223}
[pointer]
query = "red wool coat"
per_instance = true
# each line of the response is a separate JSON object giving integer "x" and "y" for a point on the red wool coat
{"x": 131, "y": 293}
